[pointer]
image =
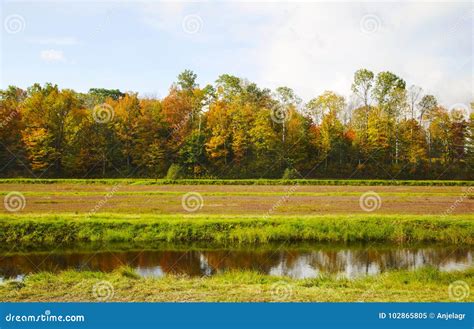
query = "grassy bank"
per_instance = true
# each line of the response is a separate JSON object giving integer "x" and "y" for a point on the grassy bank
{"x": 71, "y": 228}
{"x": 426, "y": 285}
{"x": 349, "y": 182}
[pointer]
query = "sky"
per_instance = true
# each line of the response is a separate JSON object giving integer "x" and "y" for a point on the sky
{"x": 308, "y": 46}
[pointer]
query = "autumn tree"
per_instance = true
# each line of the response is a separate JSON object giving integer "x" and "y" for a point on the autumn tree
{"x": 12, "y": 148}
{"x": 51, "y": 119}
{"x": 233, "y": 128}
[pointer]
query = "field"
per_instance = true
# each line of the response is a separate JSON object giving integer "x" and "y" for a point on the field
{"x": 54, "y": 214}
{"x": 239, "y": 199}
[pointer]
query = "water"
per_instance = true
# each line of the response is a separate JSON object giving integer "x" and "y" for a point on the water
{"x": 297, "y": 261}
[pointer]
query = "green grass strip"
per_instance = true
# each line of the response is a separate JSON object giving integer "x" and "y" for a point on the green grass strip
{"x": 34, "y": 229}
{"x": 352, "y": 182}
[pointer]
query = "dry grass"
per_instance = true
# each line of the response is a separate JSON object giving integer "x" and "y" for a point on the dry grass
{"x": 244, "y": 199}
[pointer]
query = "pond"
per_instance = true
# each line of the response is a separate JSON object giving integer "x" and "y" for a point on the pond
{"x": 293, "y": 260}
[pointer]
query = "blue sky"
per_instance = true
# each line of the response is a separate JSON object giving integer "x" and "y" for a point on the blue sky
{"x": 309, "y": 46}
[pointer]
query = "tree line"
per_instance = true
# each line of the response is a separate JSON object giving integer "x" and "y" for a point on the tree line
{"x": 235, "y": 129}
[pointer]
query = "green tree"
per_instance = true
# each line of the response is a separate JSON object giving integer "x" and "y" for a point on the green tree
{"x": 192, "y": 153}
{"x": 362, "y": 85}
{"x": 187, "y": 81}
{"x": 100, "y": 95}
{"x": 427, "y": 104}
{"x": 389, "y": 92}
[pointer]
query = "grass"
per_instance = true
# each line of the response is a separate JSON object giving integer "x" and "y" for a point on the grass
{"x": 71, "y": 228}
{"x": 424, "y": 285}
{"x": 236, "y": 200}
{"x": 352, "y": 182}
{"x": 238, "y": 214}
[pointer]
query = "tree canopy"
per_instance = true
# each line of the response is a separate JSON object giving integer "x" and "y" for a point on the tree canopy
{"x": 235, "y": 129}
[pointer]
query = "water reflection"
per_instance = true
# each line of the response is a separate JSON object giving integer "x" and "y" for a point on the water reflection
{"x": 296, "y": 263}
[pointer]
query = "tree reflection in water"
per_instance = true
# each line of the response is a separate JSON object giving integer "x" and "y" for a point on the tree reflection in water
{"x": 292, "y": 261}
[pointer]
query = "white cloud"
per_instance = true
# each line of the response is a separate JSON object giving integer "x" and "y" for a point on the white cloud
{"x": 52, "y": 55}
{"x": 313, "y": 47}
{"x": 317, "y": 47}
{"x": 56, "y": 41}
